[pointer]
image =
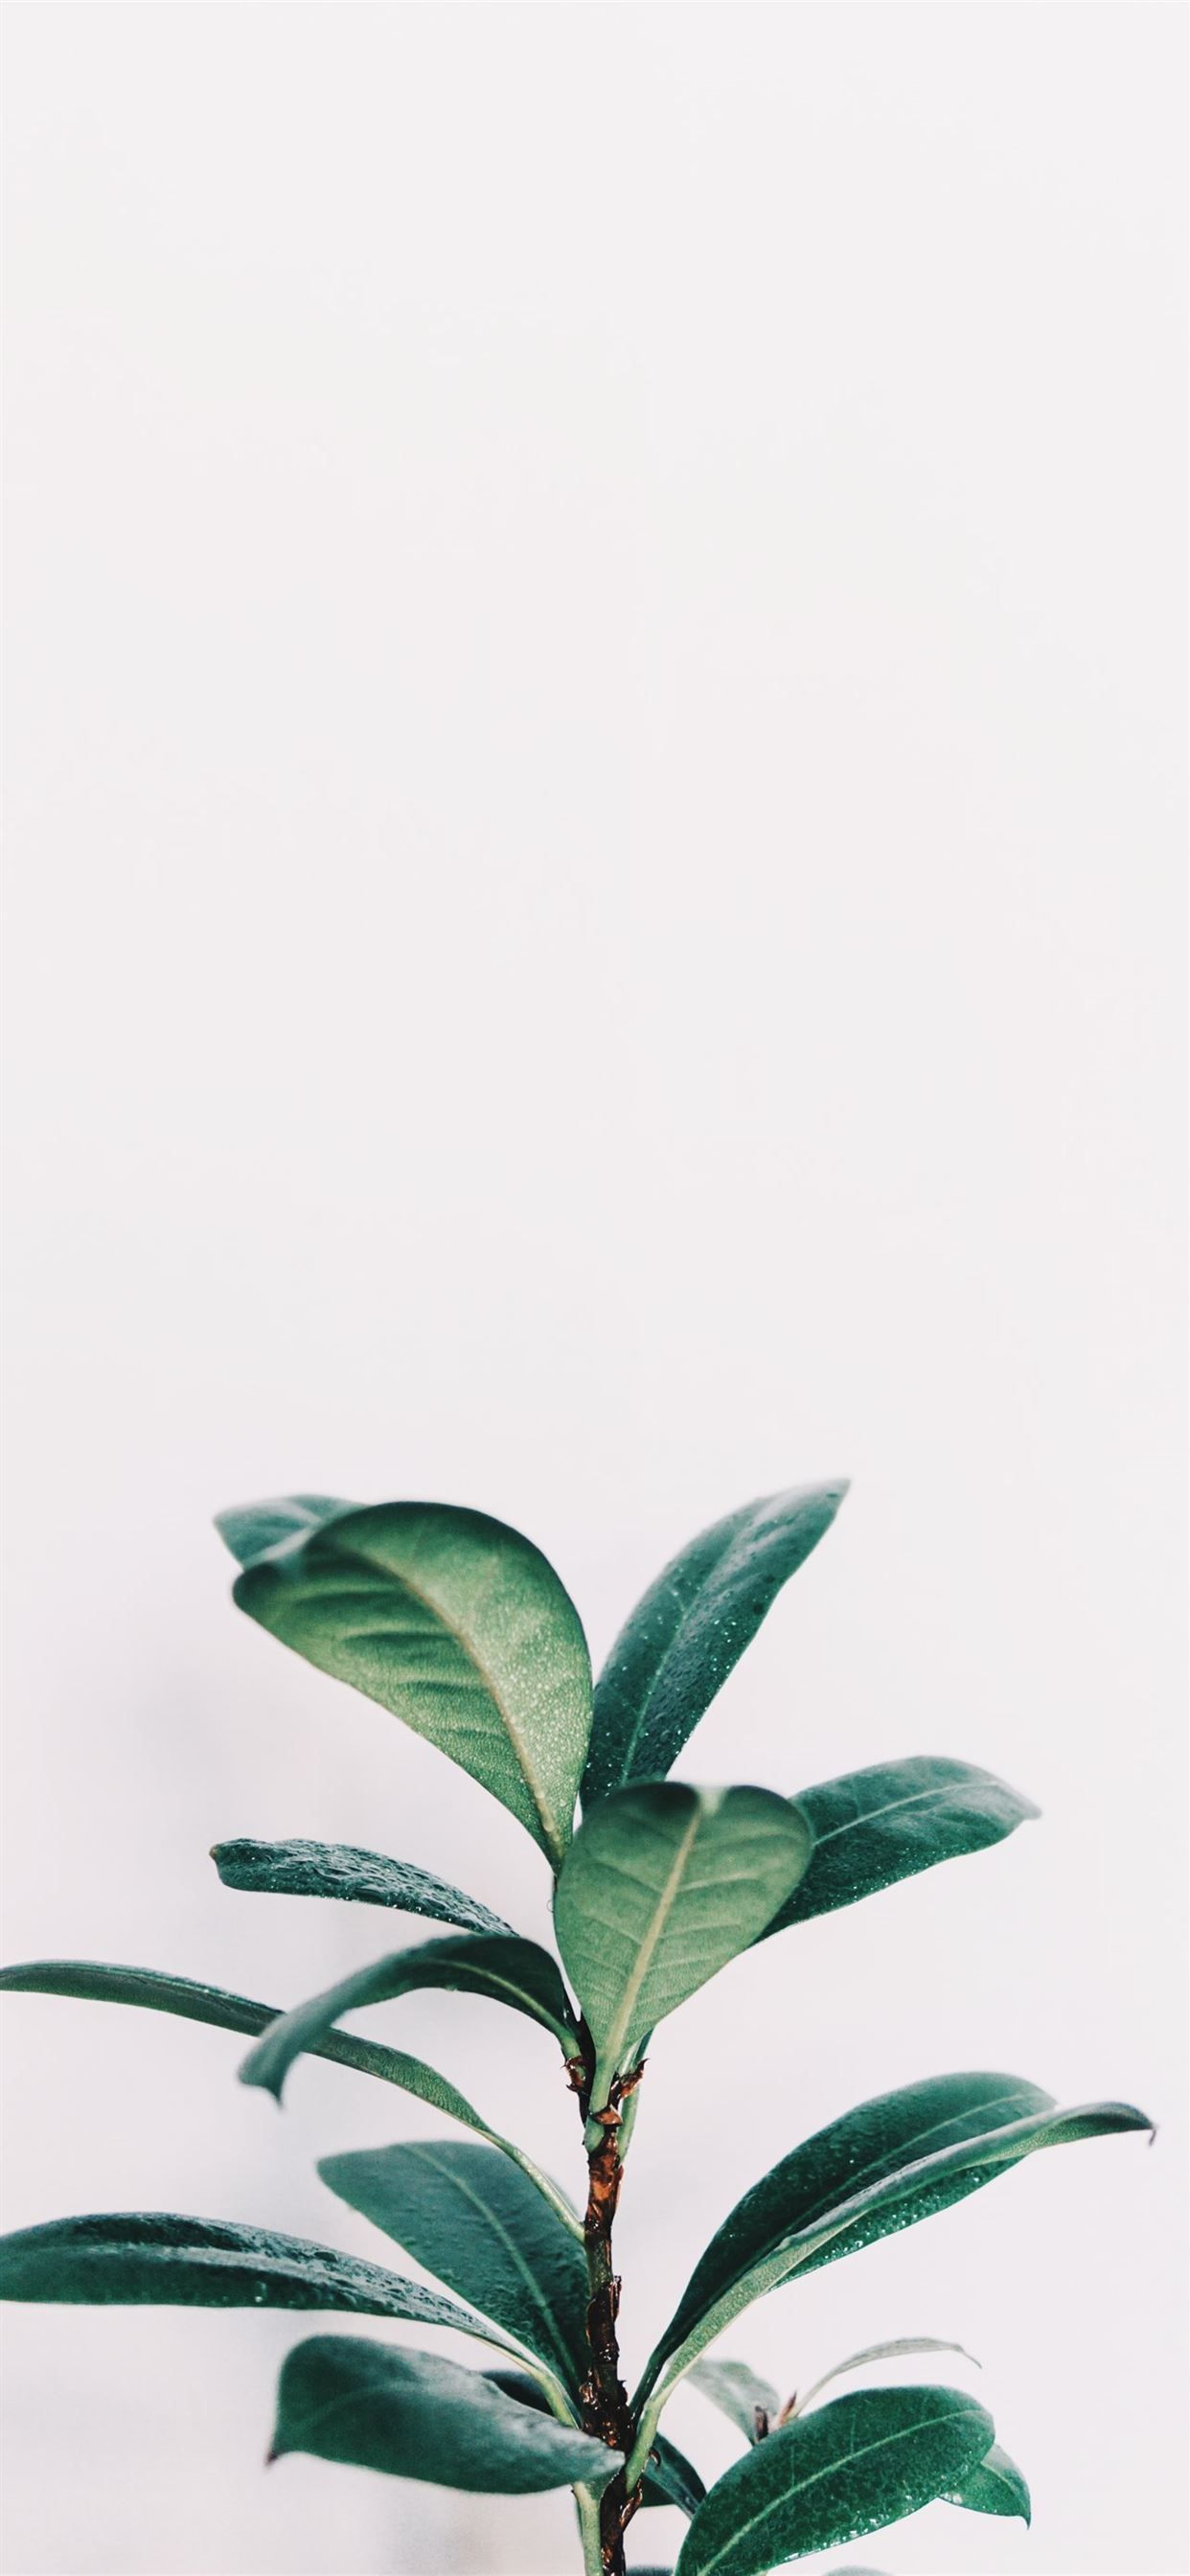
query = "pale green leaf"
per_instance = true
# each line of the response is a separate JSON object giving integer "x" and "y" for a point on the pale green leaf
{"x": 691, "y": 1627}
{"x": 662, "y": 1885}
{"x": 896, "y": 2351}
{"x": 739, "y": 2394}
{"x": 250, "y": 1530}
{"x": 455, "y": 1623}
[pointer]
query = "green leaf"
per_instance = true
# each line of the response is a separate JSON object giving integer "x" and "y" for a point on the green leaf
{"x": 883, "y": 2166}
{"x": 853, "y": 2467}
{"x": 511, "y": 1971}
{"x": 671, "y": 2478}
{"x": 91, "y": 1982}
{"x": 738, "y": 2394}
{"x": 996, "y": 2486}
{"x": 691, "y": 1628}
{"x": 742, "y": 2397}
{"x": 517, "y": 2383}
{"x": 875, "y": 1826}
{"x": 473, "y": 2220}
{"x": 361, "y": 1877}
{"x": 153, "y": 2259}
{"x": 455, "y": 1623}
{"x": 409, "y": 2414}
{"x": 896, "y": 2351}
{"x": 249, "y": 1530}
{"x": 662, "y": 1885}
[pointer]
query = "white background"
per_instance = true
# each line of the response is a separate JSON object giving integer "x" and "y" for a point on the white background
{"x": 594, "y": 696}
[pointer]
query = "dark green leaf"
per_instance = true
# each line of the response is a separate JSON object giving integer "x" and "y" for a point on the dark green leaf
{"x": 516, "y": 2383}
{"x": 996, "y": 2486}
{"x": 152, "y": 2259}
{"x": 91, "y": 1982}
{"x": 872, "y": 1827}
{"x": 661, "y": 1886}
{"x": 362, "y": 1877}
{"x": 413, "y": 2416}
{"x": 475, "y": 2222}
{"x": 251, "y": 1529}
{"x": 460, "y": 1627}
{"x": 892, "y": 2161}
{"x": 514, "y": 1972}
{"x": 672, "y": 2479}
{"x": 883, "y": 2138}
{"x": 738, "y": 2394}
{"x": 853, "y": 2467}
{"x": 691, "y": 1628}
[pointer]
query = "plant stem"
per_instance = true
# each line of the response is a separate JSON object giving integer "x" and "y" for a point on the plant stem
{"x": 607, "y": 2416}
{"x": 588, "y": 2523}
{"x": 605, "y": 2398}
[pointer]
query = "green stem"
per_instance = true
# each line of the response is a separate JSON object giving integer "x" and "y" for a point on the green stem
{"x": 588, "y": 2523}
{"x": 643, "y": 2443}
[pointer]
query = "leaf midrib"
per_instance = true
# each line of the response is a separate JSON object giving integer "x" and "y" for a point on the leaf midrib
{"x": 558, "y": 2350}
{"x": 917, "y": 1797}
{"x": 805, "y": 2242}
{"x": 554, "y": 1837}
{"x": 856, "y": 2183}
{"x": 487, "y": 1981}
{"x": 667, "y": 1898}
{"x": 735, "y": 2294}
{"x": 687, "y": 1604}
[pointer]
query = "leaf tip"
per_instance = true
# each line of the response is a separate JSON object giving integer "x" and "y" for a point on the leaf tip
{"x": 261, "y": 2081}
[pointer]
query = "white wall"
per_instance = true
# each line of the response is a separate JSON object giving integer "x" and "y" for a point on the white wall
{"x": 594, "y": 696}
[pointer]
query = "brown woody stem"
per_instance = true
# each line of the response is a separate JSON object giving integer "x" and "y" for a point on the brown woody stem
{"x": 606, "y": 2414}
